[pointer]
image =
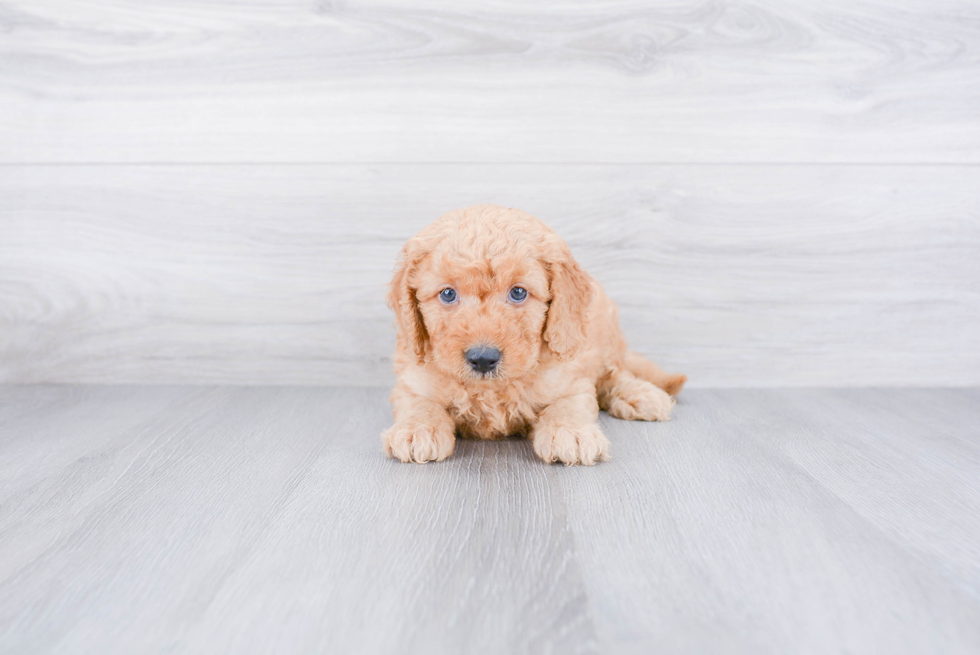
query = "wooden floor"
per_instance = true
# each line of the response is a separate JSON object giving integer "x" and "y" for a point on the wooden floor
{"x": 191, "y": 519}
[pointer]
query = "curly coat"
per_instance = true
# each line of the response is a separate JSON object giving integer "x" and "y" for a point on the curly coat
{"x": 562, "y": 354}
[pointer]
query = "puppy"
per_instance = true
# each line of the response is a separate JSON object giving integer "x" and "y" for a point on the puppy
{"x": 500, "y": 332}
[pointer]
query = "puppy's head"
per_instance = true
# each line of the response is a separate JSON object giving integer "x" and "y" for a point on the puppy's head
{"x": 482, "y": 290}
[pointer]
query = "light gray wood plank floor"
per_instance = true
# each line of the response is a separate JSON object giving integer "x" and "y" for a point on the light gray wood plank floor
{"x": 217, "y": 519}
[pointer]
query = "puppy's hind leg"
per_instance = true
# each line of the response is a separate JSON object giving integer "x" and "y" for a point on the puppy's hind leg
{"x": 626, "y": 396}
{"x": 644, "y": 369}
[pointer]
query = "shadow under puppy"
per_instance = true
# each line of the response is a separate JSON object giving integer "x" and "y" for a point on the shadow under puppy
{"x": 500, "y": 332}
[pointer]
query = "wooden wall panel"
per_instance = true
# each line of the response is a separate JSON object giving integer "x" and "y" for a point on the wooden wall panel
{"x": 507, "y": 81}
{"x": 737, "y": 275}
{"x": 775, "y": 192}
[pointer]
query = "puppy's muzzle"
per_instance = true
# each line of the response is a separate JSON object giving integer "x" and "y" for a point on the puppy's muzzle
{"x": 483, "y": 359}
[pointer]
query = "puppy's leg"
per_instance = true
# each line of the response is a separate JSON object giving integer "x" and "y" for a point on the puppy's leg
{"x": 626, "y": 396}
{"x": 567, "y": 431}
{"x": 644, "y": 369}
{"x": 423, "y": 430}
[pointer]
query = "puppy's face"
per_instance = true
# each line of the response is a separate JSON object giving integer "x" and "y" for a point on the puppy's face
{"x": 481, "y": 291}
{"x": 484, "y": 317}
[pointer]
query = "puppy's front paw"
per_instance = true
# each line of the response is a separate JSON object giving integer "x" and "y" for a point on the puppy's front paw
{"x": 416, "y": 442}
{"x": 640, "y": 401}
{"x": 584, "y": 444}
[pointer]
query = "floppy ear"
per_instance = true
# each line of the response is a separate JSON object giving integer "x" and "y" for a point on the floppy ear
{"x": 401, "y": 299}
{"x": 571, "y": 293}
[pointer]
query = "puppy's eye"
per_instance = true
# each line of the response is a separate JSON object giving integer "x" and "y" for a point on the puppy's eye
{"x": 518, "y": 294}
{"x": 448, "y": 296}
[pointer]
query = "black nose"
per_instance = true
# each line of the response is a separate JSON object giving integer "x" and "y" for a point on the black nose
{"x": 483, "y": 359}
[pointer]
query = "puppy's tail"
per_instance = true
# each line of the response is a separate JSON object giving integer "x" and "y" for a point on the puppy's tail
{"x": 644, "y": 369}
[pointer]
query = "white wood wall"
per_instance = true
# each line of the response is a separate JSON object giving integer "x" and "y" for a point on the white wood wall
{"x": 776, "y": 193}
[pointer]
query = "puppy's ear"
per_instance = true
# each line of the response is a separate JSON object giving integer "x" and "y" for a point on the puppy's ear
{"x": 402, "y": 300}
{"x": 571, "y": 294}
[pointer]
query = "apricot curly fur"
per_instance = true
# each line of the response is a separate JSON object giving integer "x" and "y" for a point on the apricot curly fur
{"x": 563, "y": 354}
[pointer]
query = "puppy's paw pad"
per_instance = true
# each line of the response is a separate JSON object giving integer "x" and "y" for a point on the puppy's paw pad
{"x": 648, "y": 403}
{"x": 418, "y": 443}
{"x": 580, "y": 445}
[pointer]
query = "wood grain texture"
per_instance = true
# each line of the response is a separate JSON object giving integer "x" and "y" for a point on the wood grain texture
{"x": 189, "y": 519}
{"x": 506, "y": 81}
{"x": 797, "y": 512}
{"x": 736, "y": 275}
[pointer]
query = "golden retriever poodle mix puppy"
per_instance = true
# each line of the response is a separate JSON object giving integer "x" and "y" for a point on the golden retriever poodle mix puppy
{"x": 500, "y": 332}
